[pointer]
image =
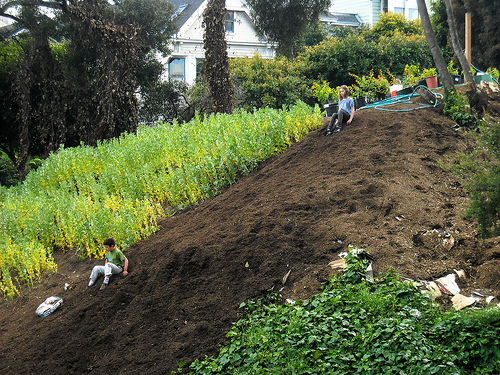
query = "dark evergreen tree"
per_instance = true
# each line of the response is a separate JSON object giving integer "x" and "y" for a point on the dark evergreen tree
{"x": 286, "y": 22}
{"x": 216, "y": 64}
{"x": 86, "y": 92}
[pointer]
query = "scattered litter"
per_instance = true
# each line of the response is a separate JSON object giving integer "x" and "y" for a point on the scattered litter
{"x": 66, "y": 286}
{"x": 434, "y": 289}
{"x": 405, "y": 278}
{"x": 338, "y": 264}
{"x": 369, "y": 272}
{"x": 478, "y": 294}
{"x": 415, "y": 313}
{"x": 460, "y": 301}
{"x": 443, "y": 290}
{"x": 247, "y": 265}
{"x": 398, "y": 218}
{"x": 286, "y": 276}
{"x": 489, "y": 299}
{"x": 48, "y": 306}
{"x": 449, "y": 283}
{"x": 448, "y": 241}
{"x": 460, "y": 273}
{"x": 290, "y": 301}
{"x": 341, "y": 263}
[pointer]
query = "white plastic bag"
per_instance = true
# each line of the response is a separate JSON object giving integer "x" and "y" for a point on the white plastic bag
{"x": 48, "y": 306}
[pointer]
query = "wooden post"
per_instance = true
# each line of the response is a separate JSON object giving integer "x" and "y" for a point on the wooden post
{"x": 468, "y": 37}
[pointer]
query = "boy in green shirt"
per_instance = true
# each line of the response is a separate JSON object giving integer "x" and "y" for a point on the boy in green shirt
{"x": 116, "y": 262}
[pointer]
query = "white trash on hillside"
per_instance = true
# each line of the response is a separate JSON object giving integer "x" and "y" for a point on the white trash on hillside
{"x": 48, "y": 306}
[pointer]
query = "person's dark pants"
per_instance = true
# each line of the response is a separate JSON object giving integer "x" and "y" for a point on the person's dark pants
{"x": 342, "y": 117}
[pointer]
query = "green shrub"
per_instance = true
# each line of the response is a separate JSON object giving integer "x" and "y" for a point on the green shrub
{"x": 374, "y": 87}
{"x": 391, "y": 23}
{"x": 270, "y": 82}
{"x": 457, "y": 107}
{"x": 386, "y": 327}
{"x": 334, "y": 58}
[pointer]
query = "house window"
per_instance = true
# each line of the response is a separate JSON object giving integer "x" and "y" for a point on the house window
{"x": 199, "y": 67}
{"x": 413, "y": 14}
{"x": 399, "y": 10}
{"x": 176, "y": 69}
{"x": 230, "y": 22}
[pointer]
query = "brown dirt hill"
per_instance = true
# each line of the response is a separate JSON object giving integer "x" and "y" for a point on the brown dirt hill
{"x": 376, "y": 184}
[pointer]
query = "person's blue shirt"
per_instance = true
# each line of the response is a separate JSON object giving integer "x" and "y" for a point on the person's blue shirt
{"x": 346, "y": 104}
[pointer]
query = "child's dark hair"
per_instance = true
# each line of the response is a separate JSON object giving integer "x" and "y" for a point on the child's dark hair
{"x": 109, "y": 242}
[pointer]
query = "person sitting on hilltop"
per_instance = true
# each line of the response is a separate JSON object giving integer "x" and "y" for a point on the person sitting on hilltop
{"x": 116, "y": 263}
{"x": 345, "y": 113}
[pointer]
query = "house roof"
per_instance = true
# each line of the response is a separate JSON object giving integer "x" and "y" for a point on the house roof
{"x": 341, "y": 19}
{"x": 184, "y": 9}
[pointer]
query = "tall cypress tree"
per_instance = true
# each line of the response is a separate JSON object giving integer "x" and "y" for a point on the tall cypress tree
{"x": 216, "y": 65}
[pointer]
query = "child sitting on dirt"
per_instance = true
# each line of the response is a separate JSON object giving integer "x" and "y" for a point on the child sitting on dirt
{"x": 116, "y": 263}
{"x": 345, "y": 113}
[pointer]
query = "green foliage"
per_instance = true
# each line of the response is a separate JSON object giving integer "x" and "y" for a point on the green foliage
{"x": 374, "y": 87}
{"x": 455, "y": 106}
{"x": 164, "y": 101}
{"x": 485, "y": 33}
{"x": 357, "y": 261}
{"x": 391, "y": 23}
{"x": 270, "y": 82}
{"x": 411, "y": 75}
{"x": 484, "y": 183}
{"x": 470, "y": 340}
{"x": 324, "y": 92}
{"x": 481, "y": 170}
{"x": 334, "y": 58}
{"x": 83, "y": 194}
{"x": 81, "y": 89}
{"x": 452, "y": 69}
{"x": 400, "y": 50}
{"x": 386, "y": 327}
{"x": 429, "y": 72}
{"x": 494, "y": 73}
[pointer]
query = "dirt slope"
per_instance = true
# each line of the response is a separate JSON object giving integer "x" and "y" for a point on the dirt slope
{"x": 376, "y": 184}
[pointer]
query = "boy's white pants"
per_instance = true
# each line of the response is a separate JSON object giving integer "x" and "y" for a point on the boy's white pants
{"x": 107, "y": 270}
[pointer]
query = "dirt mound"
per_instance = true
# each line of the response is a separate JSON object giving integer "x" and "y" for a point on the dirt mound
{"x": 376, "y": 184}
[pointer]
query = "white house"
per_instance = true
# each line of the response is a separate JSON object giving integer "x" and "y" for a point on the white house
{"x": 369, "y": 10}
{"x": 187, "y": 47}
{"x": 241, "y": 37}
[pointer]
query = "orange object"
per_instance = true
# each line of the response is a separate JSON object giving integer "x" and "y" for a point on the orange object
{"x": 432, "y": 82}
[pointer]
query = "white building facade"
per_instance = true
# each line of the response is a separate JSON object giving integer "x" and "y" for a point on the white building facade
{"x": 369, "y": 10}
{"x": 187, "y": 48}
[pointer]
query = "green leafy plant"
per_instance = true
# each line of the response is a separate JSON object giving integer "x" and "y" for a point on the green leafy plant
{"x": 429, "y": 72}
{"x": 385, "y": 327}
{"x": 374, "y": 87}
{"x": 456, "y": 106}
{"x": 482, "y": 178}
{"x": 357, "y": 261}
{"x": 323, "y": 91}
{"x": 452, "y": 69}
{"x": 79, "y": 195}
{"x": 494, "y": 73}
{"x": 411, "y": 75}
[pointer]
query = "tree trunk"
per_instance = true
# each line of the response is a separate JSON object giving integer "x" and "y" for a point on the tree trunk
{"x": 216, "y": 65}
{"x": 456, "y": 45}
{"x": 437, "y": 55}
